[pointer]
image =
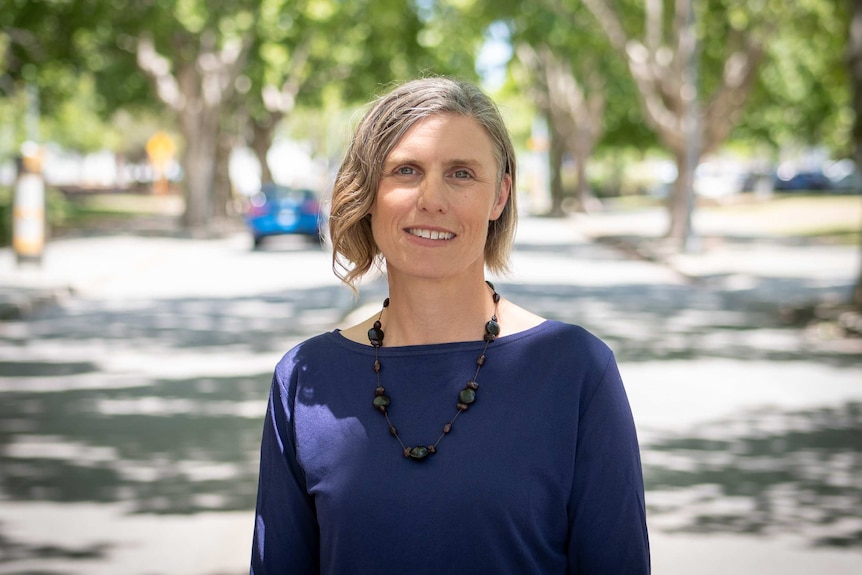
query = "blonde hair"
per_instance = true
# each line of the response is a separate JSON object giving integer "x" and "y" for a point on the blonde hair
{"x": 382, "y": 127}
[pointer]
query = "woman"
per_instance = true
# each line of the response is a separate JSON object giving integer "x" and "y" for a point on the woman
{"x": 452, "y": 432}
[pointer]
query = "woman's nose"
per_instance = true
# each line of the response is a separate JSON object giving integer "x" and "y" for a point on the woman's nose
{"x": 432, "y": 195}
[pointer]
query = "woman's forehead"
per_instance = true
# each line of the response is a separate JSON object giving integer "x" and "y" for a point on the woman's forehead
{"x": 450, "y": 136}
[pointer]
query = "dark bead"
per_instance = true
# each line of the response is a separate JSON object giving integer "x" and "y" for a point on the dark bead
{"x": 462, "y": 407}
{"x": 379, "y": 391}
{"x": 447, "y": 428}
{"x": 406, "y": 452}
{"x": 419, "y": 453}
{"x": 375, "y": 336}
{"x": 381, "y": 402}
{"x": 377, "y": 324}
{"x": 489, "y": 338}
{"x": 492, "y": 327}
{"x": 496, "y": 297}
{"x": 377, "y": 366}
{"x": 481, "y": 360}
{"x": 432, "y": 449}
{"x": 393, "y": 431}
{"x": 386, "y": 302}
{"x": 490, "y": 285}
{"x": 467, "y": 396}
{"x": 472, "y": 385}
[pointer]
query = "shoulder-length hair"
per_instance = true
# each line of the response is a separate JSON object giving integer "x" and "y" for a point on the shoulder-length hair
{"x": 382, "y": 127}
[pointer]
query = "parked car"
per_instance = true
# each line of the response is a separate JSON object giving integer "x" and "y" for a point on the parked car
{"x": 802, "y": 181}
{"x": 280, "y": 210}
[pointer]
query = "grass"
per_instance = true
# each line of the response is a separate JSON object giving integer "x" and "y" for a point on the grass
{"x": 825, "y": 217}
{"x": 834, "y": 217}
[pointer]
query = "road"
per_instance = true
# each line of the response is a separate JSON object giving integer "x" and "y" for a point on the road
{"x": 131, "y": 409}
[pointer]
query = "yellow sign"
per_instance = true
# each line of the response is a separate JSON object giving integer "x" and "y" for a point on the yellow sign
{"x": 161, "y": 149}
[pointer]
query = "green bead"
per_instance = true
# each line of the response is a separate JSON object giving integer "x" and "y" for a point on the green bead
{"x": 492, "y": 327}
{"x": 467, "y": 396}
{"x": 381, "y": 401}
{"x": 419, "y": 452}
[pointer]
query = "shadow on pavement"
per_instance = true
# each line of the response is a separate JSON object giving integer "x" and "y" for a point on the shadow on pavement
{"x": 764, "y": 473}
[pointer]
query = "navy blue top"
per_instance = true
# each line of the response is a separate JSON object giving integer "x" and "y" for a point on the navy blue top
{"x": 541, "y": 475}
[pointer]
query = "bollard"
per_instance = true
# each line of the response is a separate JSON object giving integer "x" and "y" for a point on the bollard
{"x": 28, "y": 207}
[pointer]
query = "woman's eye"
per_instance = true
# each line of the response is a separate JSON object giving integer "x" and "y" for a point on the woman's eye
{"x": 405, "y": 171}
{"x": 461, "y": 174}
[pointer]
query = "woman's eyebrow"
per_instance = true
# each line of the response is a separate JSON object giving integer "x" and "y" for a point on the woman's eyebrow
{"x": 409, "y": 159}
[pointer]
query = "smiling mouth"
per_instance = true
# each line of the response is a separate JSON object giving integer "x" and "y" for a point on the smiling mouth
{"x": 430, "y": 234}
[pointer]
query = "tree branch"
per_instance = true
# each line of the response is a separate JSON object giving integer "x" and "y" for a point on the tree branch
{"x": 159, "y": 69}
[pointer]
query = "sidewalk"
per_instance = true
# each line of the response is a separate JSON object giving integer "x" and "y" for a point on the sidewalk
{"x": 732, "y": 253}
{"x": 801, "y": 276}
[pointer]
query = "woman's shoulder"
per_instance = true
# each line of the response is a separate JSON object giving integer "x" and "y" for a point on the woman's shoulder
{"x": 323, "y": 347}
{"x": 554, "y": 338}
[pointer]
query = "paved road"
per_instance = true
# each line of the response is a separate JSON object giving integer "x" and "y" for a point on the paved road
{"x": 130, "y": 410}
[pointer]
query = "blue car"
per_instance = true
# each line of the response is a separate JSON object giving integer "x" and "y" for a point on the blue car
{"x": 279, "y": 210}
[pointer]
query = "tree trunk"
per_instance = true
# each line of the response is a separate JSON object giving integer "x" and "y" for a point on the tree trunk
{"x": 854, "y": 54}
{"x": 682, "y": 194}
{"x": 200, "y": 131}
{"x": 261, "y": 141}
{"x": 583, "y": 195}
{"x": 555, "y": 156}
{"x": 222, "y": 188}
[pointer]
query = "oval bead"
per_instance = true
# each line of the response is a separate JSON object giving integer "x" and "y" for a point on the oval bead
{"x": 375, "y": 335}
{"x": 492, "y": 327}
{"x": 419, "y": 453}
{"x": 447, "y": 428}
{"x": 472, "y": 385}
{"x": 379, "y": 391}
{"x": 467, "y": 395}
{"x": 381, "y": 401}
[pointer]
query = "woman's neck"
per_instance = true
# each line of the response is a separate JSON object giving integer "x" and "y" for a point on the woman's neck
{"x": 427, "y": 311}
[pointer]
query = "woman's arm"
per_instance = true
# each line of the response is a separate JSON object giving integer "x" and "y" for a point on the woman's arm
{"x": 285, "y": 527}
{"x": 607, "y": 517}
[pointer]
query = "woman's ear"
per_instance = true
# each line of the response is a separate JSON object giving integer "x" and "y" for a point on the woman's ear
{"x": 502, "y": 197}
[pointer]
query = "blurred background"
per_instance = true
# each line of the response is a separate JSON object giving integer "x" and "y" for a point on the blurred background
{"x": 689, "y": 190}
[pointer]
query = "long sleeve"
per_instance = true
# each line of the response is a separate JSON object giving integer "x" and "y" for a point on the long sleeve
{"x": 286, "y": 538}
{"x": 608, "y": 532}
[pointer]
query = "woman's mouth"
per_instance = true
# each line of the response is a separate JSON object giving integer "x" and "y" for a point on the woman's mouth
{"x": 430, "y": 234}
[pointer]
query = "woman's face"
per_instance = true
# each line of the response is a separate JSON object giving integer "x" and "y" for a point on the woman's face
{"x": 438, "y": 191}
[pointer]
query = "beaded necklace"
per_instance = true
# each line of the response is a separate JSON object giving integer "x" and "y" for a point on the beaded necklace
{"x": 465, "y": 397}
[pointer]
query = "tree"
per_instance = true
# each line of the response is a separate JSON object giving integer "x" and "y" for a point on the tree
{"x": 209, "y": 44}
{"x": 691, "y": 114}
{"x": 573, "y": 113}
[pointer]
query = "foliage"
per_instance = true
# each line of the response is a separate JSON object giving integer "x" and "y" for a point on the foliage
{"x": 802, "y": 96}
{"x": 80, "y": 55}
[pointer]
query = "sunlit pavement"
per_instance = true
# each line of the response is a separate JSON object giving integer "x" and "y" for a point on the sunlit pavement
{"x": 130, "y": 410}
